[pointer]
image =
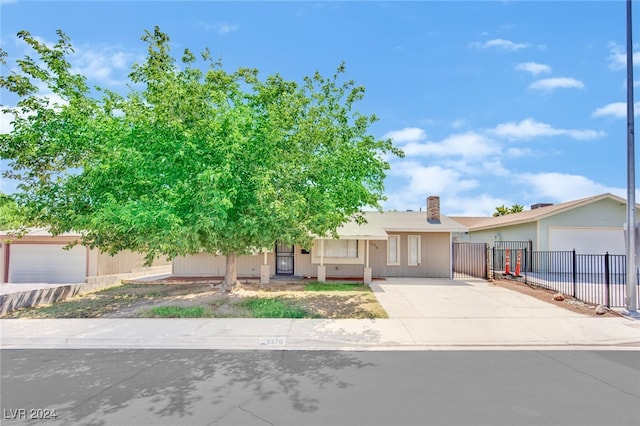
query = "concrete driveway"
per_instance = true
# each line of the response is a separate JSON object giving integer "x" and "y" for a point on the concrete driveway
{"x": 443, "y": 298}
{"x": 475, "y": 312}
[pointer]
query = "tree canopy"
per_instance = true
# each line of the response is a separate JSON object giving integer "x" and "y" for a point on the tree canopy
{"x": 193, "y": 157}
{"x": 503, "y": 210}
{"x": 11, "y": 216}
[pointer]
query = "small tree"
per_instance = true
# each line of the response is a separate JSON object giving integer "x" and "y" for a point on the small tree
{"x": 195, "y": 160}
{"x": 502, "y": 210}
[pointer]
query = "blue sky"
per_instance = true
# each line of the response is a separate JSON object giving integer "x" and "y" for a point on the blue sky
{"x": 493, "y": 102}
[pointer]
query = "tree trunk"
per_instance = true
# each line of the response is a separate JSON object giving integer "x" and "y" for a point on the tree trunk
{"x": 231, "y": 273}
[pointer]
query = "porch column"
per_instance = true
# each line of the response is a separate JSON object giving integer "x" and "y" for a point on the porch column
{"x": 322, "y": 270}
{"x": 265, "y": 269}
{"x": 4, "y": 262}
{"x": 367, "y": 270}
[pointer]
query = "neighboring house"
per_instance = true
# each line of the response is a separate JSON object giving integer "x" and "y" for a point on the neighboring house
{"x": 390, "y": 244}
{"x": 38, "y": 257}
{"x": 593, "y": 225}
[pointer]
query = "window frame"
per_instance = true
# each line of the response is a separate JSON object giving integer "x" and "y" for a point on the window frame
{"x": 359, "y": 260}
{"x": 348, "y": 249}
{"x": 397, "y": 250}
{"x": 417, "y": 238}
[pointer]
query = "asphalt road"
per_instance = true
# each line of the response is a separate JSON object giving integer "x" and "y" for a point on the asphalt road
{"x": 215, "y": 387}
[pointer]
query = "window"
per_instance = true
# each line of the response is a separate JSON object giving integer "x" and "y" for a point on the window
{"x": 413, "y": 258}
{"x": 341, "y": 248}
{"x": 393, "y": 250}
{"x": 338, "y": 252}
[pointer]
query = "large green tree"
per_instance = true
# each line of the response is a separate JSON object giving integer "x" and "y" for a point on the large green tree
{"x": 192, "y": 158}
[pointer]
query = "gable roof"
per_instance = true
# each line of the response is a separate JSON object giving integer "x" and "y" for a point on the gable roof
{"x": 469, "y": 221}
{"x": 536, "y": 214}
{"x": 380, "y": 224}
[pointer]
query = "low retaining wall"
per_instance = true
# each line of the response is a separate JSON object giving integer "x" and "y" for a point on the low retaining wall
{"x": 46, "y": 296}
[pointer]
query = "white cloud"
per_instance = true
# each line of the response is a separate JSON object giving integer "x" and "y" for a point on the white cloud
{"x": 583, "y": 135}
{"x": 499, "y": 43}
{"x": 615, "y": 110}
{"x": 220, "y": 27}
{"x": 55, "y": 100}
{"x": 529, "y": 128}
{"x": 479, "y": 205}
{"x": 533, "y": 67}
{"x": 553, "y": 83}
{"x": 103, "y": 64}
{"x": 5, "y": 122}
{"x": 225, "y": 28}
{"x": 408, "y": 134}
{"x": 618, "y": 57}
{"x": 422, "y": 181}
{"x": 560, "y": 187}
{"x": 466, "y": 145}
{"x": 47, "y": 43}
{"x": 514, "y": 152}
{"x": 477, "y": 167}
{"x": 456, "y": 124}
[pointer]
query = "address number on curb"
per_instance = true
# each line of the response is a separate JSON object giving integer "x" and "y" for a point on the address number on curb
{"x": 270, "y": 341}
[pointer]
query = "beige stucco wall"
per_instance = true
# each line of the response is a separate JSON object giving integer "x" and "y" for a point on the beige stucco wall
{"x": 435, "y": 261}
{"x": 435, "y": 251}
{"x": 208, "y": 265}
{"x": 122, "y": 262}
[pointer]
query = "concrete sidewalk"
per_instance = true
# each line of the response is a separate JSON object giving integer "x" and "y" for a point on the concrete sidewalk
{"x": 425, "y": 314}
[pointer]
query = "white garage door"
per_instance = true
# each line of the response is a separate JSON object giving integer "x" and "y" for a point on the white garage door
{"x": 587, "y": 240}
{"x": 47, "y": 263}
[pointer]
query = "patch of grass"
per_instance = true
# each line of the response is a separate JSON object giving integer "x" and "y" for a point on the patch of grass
{"x": 273, "y": 308}
{"x": 178, "y": 312}
{"x": 318, "y": 286}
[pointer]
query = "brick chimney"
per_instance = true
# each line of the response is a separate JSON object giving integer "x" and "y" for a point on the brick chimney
{"x": 433, "y": 209}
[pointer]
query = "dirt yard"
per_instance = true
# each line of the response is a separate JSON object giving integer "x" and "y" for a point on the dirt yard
{"x": 138, "y": 300}
{"x": 547, "y": 296}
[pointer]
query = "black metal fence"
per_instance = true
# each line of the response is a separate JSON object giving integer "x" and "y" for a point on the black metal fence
{"x": 471, "y": 260}
{"x": 592, "y": 278}
{"x": 513, "y": 247}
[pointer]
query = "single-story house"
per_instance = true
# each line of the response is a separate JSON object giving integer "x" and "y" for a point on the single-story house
{"x": 389, "y": 244}
{"x": 38, "y": 257}
{"x": 592, "y": 225}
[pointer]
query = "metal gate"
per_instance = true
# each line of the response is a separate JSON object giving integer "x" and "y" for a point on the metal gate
{"x": 284, "y": 259}
{"x": 498, "y": 259}
{"x": 470, "y": 260}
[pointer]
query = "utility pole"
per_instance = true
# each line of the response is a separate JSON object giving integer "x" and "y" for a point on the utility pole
{"x": 631, "y": 299}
